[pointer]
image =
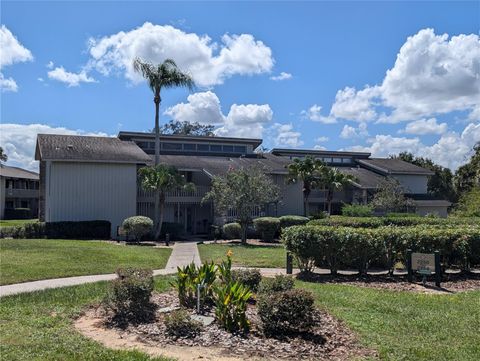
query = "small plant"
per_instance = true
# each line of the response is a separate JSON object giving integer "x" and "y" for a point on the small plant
{"x": 288, "y": 312}
{"x": 320, "y": 215}
{"x": 247, "y": 277}
{"x": 225, "y": 268}
{"x": 138, "y": 227}
{"x": 179, "y": 324}
{"x": 232, "y": 231}
{"x": 267, "y": 227}
{"x": 129, "y": 296}
{"x": 278, "y": 284}
{"x": 230, "y": 306}
{"x": 357, "y": 210}
{"x": 288, "y": 221}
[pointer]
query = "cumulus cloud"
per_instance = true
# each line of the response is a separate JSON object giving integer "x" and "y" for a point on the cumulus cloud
{"x": 71, "y": 79}
{"x": 208, "y": 62}
{"x": 451, "y": 150}
{"x": 282, "y": 76}
{"x": 349, "y": 132}
{"x": 242, "y": 120}
{"x": 314, "y": 113}
{"x": 425, "y": 126}
{"x": 12, "y": 52}
{"x": 322, "y": 139}
{"x": 286, "y": 136}
{"x": 18, "y": 141}
{"x": 433, "y": 74}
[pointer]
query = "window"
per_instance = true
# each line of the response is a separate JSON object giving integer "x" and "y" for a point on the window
{"x": 240, "y": 149}
{"x": 346, "y": 160}
{"x": 228, "y": 148}
{"x": 172, "y": 146}
{"x": 24, "y": 204}
{"x": 215, "y": 148}
{"x": 337, "y": 160}
{"x": 327, "y": 160}
{"x": 189, "y": 146}
{"x": 143, "y": 145}
{"x": 203, "y": 147}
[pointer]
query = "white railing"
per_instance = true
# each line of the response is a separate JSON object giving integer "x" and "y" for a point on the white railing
{"x": 198, "y": 192}
{"x": 232, "y": 214}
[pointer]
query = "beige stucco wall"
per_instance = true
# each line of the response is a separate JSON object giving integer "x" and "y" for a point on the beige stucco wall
{"x": 416, "y": 184}
{"x": 90, "y": 191}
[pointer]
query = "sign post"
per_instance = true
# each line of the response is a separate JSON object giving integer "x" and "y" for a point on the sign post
{"x": 425, "y": 264}
{"x": 289, "y": 263}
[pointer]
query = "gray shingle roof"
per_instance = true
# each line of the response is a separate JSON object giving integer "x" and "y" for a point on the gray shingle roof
{"x": 87, "y": 148}
{"x": 15, "y": 172}
{"x": 364, "y": 178}
{"x": 393, "y": 166}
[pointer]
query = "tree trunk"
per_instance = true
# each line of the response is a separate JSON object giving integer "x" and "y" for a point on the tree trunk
{"x": 244, "y": 233}
{"x": 161, "y": 201}
{"x": 329, "y": 200}
{"x": 156, "y": 213}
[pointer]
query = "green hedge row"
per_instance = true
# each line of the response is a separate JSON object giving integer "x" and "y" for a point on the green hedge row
{"x": 59, "y": 230}
{"x": 347, "y": 247}
{"x": 375, "y": 222}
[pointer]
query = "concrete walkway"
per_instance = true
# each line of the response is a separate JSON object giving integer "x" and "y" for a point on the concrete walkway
{"x": 183, "y": 254}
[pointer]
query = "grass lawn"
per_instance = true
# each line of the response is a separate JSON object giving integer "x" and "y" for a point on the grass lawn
{"x": 38, "y": 326}
{"x": 245, "y": 255}
{"x": 407, "y": 326}
{"x": 34, "y": 259}
{"x": 15, "y": 222}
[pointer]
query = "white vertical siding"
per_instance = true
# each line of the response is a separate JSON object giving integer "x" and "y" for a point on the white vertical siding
{"x": 291, "y": 196}
{"x": 2, "y": 197}
{"x": 91, "y": 191}
{"x": 416, "y": 184}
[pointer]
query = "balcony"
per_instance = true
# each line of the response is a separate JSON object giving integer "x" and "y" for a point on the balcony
{"x": 21, "y": 193}
{"x": 177, "y": 196}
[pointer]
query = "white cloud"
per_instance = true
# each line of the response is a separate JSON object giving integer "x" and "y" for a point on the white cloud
{"x": 475, "y": 114}
{"x": 282, "y": 76}
{"x": 50, "y": 65}
{"x": 451, "y": 150}
{"x": 12, "y": 52}
{"x": 8, "y": 85}
{"x": 209, "y": 63}
{"x": 313, "y": 113}
{"x": 349, "y": 132}
{"x": 71, "y": 79}
{"x": 319, "y": 147}
{"x": 425, "y": 126}
{"x": 242, "y": 120}
{"x": 18, "y": 141}
{"x": 286, "y": 136}
{"x": 322, "y": 139}
{"x": 431, "y": 75}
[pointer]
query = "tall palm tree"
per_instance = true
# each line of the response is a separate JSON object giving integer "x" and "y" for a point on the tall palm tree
{"x": 161, "y": 76}
{"x": 308, "y": 171}
{"x": 334, "y": 180}
{"x": 161, "y": 179}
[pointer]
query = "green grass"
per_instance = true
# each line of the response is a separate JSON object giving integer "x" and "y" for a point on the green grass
{"x": 34, "y": 259}
{"x": 15, "y": 222}
{"x": 245, "y": 255}
{"x": 407, "y": 326}
{"x": 39, "y": 326}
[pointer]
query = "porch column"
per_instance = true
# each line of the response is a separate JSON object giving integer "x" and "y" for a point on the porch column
{"x": 364, "y": 196}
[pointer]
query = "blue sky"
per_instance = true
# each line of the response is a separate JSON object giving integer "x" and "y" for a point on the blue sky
{"x": 66, "y": 68}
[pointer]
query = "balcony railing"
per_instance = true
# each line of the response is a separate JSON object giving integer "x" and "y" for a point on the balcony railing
{"x": 198, "y": 193}
{"x": 21, "y": 193}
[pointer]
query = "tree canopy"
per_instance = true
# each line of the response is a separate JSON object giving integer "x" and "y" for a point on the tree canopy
{"x": 467, "y": 176}
{"x": 187, "y": 128}
{"x": 390, "y": 197}
{"x": 3, "y": 156}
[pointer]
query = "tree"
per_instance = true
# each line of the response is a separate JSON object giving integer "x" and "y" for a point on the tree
{"x": 3, "y": 156}
{"x": 308, "y": 171}
{"x": 469, "y": 204}
{"x": 161, "y": 76}
{"x": 440, "y": 184}
{"x": 161, "y": 179}
{"x": 467, "y": 176}
{"x": 188, "y": 128}
{"x": 243, "y": 190}
{"x": 333, "y": 180}
{"x": 390, "y": 197}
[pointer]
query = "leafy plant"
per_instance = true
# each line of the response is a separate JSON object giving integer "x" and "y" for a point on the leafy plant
{"x": 279, "y": 283}
{"x": 232, "y": 230}
{"x": 225, "y": 268}
{"x": 231, "y": 300}
{"x": 357, "y": 210}
{"x": 267, "y": 227}
{"x": 288, "y": 221}
{"x": 247, "y": 277}
{"x": 137, "y": 226}
{"x": 179, "y": 324}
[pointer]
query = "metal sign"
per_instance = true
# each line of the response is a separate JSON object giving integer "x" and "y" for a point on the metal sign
{"x": 423, "y": 262}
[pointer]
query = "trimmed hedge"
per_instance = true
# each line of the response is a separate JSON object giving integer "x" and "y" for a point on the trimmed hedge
{"x": 375, "y": 222}
{"x": 288, "y": 221}
{"x": 18, "y": 213}
{"x": 357, "y": 210}
{"x": 335, "y": 247}
{"x": 137, "y": 226}
{"x": 266, "y": 227}
{"x": 59, "y": 230}
{"x": 232, "y": 230}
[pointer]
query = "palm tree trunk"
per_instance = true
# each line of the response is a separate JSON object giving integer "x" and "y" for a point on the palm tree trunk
{"x": 156, "y": 214}
{"x": 329, "y": 200}
{"x": 161, "y": 201}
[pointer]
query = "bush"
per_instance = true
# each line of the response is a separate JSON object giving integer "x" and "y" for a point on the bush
{"x": 279, "y": 283}
{"x": 231, "y": 305}
{"x": 179, "y": 324}
{"x": 28, "y": 230}
{"x": 232, "y": 231}
{"x": 303, "y": 243}
{"x": 18, "y": 213}
{"x": 288, "y": 221}
{"x": 288, "y": 312}
{"x": 129, "y": 296}
{"x": 248, "y": 277}
{"x": 357, "y": 210}
{"x": 320, "y": 215}
{"x": 78, "y": 230}
{"x": 137, "y": 226}
{"x": 267, "y": 227}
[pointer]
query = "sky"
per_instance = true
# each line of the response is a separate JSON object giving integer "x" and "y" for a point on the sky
{"x": 382, "y": 77}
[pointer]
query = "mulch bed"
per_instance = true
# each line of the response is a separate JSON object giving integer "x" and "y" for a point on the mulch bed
{"x": 329, "y": 340}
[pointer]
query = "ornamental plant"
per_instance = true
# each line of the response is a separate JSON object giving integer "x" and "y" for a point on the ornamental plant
{"x": 267, "y": 227}
{"x": 137, "y": 226}
{"x": 231, "y": 301}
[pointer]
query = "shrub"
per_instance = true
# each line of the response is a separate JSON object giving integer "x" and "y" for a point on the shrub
{"x": 279, "y": 283}
{"x": 179, "y": 324}
{"x": 288, "y": 312}
{"x": 129, "y": 296}
{"x": 27, "y": 230}
{"x": 230, "y": 306}
{"x": 232, "y": 230}
{"x": 288, "y": 221}
{"x": 357, "y": 210}
{"x": 248, "y": 277}
{"x": 320, "y": 215}
{"x": 267, "y": 227}
{"x": 137, "y": 226}
{"x": 303, "y": 243}
{"x": 78, "y": 230}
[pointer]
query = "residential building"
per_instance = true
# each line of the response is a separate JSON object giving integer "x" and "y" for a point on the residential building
{"x": 87, "y": 178}
{"x": 18, "y": 189}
